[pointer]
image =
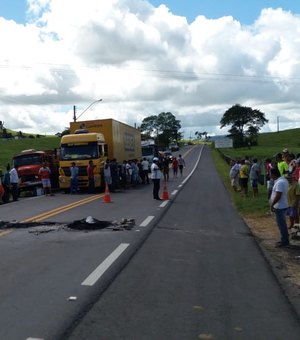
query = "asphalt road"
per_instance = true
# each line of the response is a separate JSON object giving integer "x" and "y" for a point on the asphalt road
{"x": 189, "y": 269}
{"x": 200, "y": 275}
{"x": 50, "y": 276}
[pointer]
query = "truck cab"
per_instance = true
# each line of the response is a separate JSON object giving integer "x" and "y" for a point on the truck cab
{"x": 28, "y": 164}
{"x": 81, "y": 147}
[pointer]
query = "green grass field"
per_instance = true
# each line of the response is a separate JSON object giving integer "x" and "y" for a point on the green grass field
{"x": 10, "y": 147}
{"x": 268, "y": 145}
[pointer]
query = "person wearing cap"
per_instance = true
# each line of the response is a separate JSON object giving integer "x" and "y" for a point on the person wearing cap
{"x": 156, "y": 176}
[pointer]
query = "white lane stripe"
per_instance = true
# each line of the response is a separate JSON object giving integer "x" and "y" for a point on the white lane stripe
{"x": 174, "y": 192}
{"x": 164, "y": 204}
{"x": 146, "y": 221}
{"x": 100, "y": 270}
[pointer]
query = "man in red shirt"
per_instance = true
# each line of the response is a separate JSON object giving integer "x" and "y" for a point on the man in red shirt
{"x": 44, "y": 173}
{"x": 91, "y": 179}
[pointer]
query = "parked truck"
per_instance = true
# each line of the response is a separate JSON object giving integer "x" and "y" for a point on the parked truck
{"x": 96, "y": 140}
{"x": 28, "y": 164}
{"x": 149, "y": 150}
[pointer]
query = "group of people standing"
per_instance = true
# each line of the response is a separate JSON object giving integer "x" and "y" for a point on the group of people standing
{"x": 125, "y": 175}
{"x": 241, "y": 172}
{"x": 282, "y": 177}
{"x": 160, "y": 169}
{"x": 9, "y": 184}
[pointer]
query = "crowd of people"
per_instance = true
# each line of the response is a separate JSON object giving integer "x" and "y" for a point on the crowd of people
{"x": 282, "y": 178}
{"x": 126, "y": 175}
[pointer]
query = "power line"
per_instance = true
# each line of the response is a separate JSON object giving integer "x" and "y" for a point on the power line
{"x": 166, "y": 74}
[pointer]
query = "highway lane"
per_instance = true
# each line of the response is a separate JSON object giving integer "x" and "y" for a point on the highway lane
{"x": 40, "y": 272}
{"x": 200, "y": 275}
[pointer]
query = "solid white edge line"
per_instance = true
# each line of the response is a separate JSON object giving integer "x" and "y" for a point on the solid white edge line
{"x": 100, "y": 270}
{"x": 146, "y": 221}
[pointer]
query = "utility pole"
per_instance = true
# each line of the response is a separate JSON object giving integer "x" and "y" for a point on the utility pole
{"x": 74, "y": 113}
{"x": 74, "y": 109}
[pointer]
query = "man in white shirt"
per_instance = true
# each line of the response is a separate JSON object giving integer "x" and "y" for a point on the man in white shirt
{"x": 145, "y": 168}
{"x": 155, "y": 176}
{"x": 14, "y": 181}
{"x": 279, "y": 205}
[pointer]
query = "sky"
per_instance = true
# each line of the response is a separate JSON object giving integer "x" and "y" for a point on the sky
{"x": 193, "y": 58}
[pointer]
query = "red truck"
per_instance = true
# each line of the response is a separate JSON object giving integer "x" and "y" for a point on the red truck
{"x": 28, "y": 164}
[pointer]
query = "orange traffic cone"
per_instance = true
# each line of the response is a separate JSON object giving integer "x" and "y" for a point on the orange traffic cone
{"x": 165, "y": 195}
{"x": 106, "y": 198}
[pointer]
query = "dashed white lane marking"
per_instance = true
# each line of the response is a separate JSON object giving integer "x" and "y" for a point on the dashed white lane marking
{"x": 146, "y": 221}
{"x": 164, "y": 203}
{"x": 34, "y": 339}
{"x": 100, "y": 270}
{"x": 174, "y": 192}
{"x": 180, "y": 185}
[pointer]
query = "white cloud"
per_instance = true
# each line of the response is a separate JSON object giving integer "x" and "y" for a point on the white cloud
{"x": 143, "y": 60}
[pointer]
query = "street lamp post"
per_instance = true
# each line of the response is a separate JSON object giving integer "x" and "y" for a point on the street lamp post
{"x": 74, "y": 109}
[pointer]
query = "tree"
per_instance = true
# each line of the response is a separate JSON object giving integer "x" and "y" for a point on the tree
{"x": 149, "y": 127}
{"x": 164, "y": 128}
{"x": 245, "y": 124}
{"x": 198, "y": 134}
{"x": 65, "y": 132}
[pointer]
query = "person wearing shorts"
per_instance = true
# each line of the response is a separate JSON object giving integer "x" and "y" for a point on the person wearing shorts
{"x": 254, "y": 176}
{"x": 293, "y": 196}
{"x": 181, "y": 164}
{"x": 244, "y": 176}
{"x": 44, "y": 173}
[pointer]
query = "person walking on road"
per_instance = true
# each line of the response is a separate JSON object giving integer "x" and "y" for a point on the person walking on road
{"x": 74, "y": 178}
{"x": 279, "y": 205}
{"x": 155, "y": 176}
{"x": 181, "y": 164}
{"x": 14, "y": 182}
{"x": 175, "y": 166}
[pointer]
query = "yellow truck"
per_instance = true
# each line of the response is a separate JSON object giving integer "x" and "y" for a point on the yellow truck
{"x": 96, "y": 140}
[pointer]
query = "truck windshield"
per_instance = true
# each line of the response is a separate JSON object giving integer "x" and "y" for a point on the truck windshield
{"x": 84, "y": 151}
{"x": 27, "y": 160}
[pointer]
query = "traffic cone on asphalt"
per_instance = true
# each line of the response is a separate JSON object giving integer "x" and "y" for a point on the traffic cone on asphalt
{"x": 106, "y": 198}
{"x": 165, "y": 195}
